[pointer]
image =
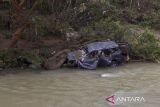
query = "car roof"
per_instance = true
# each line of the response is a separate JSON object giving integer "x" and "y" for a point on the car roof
{"x": 95, "y": 46}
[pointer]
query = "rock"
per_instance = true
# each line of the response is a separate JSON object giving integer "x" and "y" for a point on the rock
{"x": 56, "y": 61}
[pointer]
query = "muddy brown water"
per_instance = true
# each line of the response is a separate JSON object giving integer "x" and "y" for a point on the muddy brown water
{"x": 80, "y": 88}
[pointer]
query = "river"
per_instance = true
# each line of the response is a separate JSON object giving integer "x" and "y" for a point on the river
{"x": 80, "y": 88}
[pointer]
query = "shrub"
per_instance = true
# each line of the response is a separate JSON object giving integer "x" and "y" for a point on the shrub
{"x": 147, "y": 46}
{"x": 107, "y": 29}
{"x": 144, "y": 45}
{"x": 9, "y": 58}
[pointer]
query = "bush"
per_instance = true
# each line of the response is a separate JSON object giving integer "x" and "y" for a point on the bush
{"x": 106, "y": 29}
{"x": 151, "y": 20}
{"x": 147, "y": 46}
{"x": 46, "y": 26}
{"x": 144, "y": 45}
{"x": 9, "y": 58}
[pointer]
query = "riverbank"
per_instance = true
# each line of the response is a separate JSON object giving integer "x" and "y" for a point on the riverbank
{"x": 4, "y": 72}
{"x": 16, "y": 71}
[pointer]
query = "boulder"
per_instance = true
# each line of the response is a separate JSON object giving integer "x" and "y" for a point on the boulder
{"x": 56, "y": 61}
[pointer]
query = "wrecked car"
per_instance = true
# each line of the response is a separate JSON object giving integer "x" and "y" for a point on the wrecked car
{"x": 97, "y": 54}
{"x": 93, "y": 55}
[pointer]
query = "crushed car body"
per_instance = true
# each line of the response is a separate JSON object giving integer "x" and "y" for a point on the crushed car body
{"x": 96, "y": 54}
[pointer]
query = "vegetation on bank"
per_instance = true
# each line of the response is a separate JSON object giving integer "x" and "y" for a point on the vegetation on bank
{"x": 93, "y": 20}
{"x": 12, "y": 58}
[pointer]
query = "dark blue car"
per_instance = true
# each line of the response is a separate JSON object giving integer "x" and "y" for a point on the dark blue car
{"x": 96, "y": 54}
